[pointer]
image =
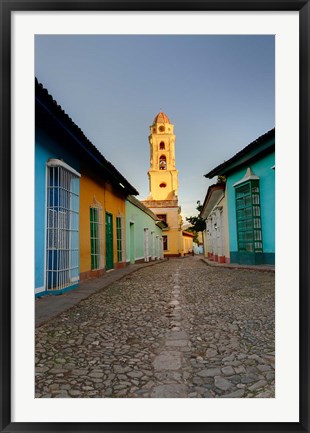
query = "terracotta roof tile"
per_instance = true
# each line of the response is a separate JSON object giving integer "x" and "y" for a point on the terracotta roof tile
{"x": 161, "y": 118}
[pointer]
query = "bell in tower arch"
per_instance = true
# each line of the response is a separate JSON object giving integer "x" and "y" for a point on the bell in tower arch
{"x": 162, "y": 163}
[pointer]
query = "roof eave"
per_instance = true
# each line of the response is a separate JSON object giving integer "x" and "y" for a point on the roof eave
{"x": 134, "y": 201}
{"x": 161, "y": 224}
{"x": 186, "y": 233}
{"x": 208, "y": 199}
{"x": 263, "y": 144}
{"x": 47, "y": 102}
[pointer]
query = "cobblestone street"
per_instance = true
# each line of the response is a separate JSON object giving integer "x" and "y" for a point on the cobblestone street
{"x": 177, "y": 329}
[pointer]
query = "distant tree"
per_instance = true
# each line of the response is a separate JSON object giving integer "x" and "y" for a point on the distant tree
{"x": 195, "y": 239}
{"x": 199, "y": 206}
{"x": 197, "y": 223}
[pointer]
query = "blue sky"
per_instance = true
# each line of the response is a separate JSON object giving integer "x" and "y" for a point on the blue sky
{"x": 218, "y": 91}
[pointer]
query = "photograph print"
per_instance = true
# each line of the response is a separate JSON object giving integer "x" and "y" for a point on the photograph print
{"x": 154, "y": 216}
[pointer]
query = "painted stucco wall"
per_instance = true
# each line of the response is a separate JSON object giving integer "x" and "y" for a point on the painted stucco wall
{"x": 223, "y": 202}
{"x": 206, "y": 248}
{"x": 223, "y": 225}
{"x": 45, "y": 148}
{"x": 187, "y": 244}
{"x": 175, "y": 243}
{"x": 92, "y": 187}
{"x": 141, "y": 221}
{"x": 169, "y": 176}
{"x": 263, "y": 169}
{"x": 164, "y": 182}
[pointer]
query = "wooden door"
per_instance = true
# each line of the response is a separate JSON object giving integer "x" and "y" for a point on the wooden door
{"x": 109, "y": 241}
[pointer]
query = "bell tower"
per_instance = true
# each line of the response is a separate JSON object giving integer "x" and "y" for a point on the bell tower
{"x": 163, "y": 180}
{"x": 163, "y": 176}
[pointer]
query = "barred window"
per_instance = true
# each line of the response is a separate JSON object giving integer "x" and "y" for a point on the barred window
{"x": 96, "y": 236}
{"x": 62, "y": 226}
{"x": 120, "y": 238}
{"x": 249, "y": 227}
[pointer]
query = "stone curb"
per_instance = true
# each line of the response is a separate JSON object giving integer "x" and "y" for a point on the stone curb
{"x": 259, "y": 268}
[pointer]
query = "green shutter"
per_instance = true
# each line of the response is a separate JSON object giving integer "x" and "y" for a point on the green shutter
{"x": 119, "y": 238}
{"x": 249, "y": 229}
{"x": 109, "y": 241}
{"x": 94, "y": 238}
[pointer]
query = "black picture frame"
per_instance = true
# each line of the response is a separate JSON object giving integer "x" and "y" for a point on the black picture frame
{"x": 6, "y": 8}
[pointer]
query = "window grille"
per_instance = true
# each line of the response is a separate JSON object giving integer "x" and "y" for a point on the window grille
{"x": 120, "y": 238}
{"x": 96, "y": 236}
{"x": 249, "y": 227}
{"x": 62, "y": 246}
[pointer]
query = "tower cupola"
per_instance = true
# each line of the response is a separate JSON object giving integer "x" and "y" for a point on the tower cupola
{"x": 161, "y": 118}
{"x": 161, "y": 124}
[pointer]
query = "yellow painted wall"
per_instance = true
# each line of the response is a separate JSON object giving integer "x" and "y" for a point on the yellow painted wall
{"x": 174, "y": 244}
{"x": 172, "y": 218}
{"x": 162, "y": 143}
{"x": 162, "y": 133}
{"x": 92, "y": 186}
{"x": 187, "y": 244}
{"x": 163, "y": 177}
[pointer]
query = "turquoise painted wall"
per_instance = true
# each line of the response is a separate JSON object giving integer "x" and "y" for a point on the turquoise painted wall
{"x": 45, "y": 148}
{"x": 261, "y": 168}
{"x": 141, "y": 220}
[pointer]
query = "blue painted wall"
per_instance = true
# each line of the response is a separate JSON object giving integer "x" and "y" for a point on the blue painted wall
{"x": 261, "y": 168}
{"x": 45, "y": 148}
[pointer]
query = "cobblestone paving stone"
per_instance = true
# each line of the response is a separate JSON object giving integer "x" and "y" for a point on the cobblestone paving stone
{"x": 179, "y": 329}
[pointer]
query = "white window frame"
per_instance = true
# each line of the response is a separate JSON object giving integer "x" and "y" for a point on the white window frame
{"x": 98, "y": 240}
{"x": 62, "y": 231}
{"x": 153, "y": 244}
{"x": 123, "y": 234}
{"x": 146, "y": 243}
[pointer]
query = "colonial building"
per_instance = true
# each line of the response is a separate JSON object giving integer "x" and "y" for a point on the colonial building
{"x": 188, "y": 238}
{"x": 143, "y": 233}
{"x": 250, "y": 190}
{"x": 215, "y": 235}
{"x": 163, "y": 184}
{"x": 79, "y": 203}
